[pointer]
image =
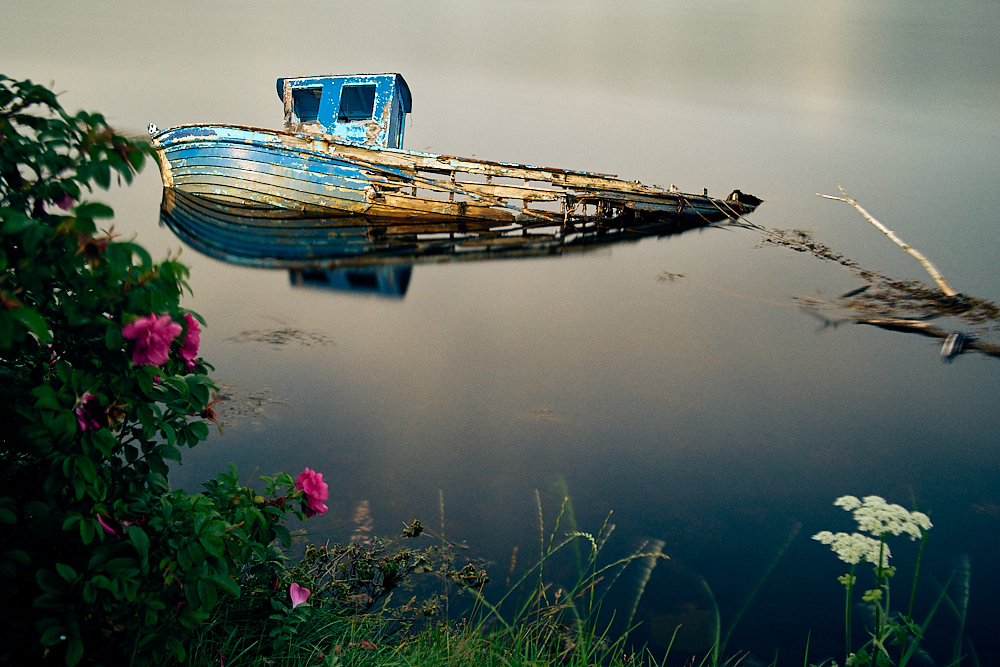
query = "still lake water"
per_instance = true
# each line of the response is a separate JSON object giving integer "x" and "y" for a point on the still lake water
{"x": 708, "y": 411}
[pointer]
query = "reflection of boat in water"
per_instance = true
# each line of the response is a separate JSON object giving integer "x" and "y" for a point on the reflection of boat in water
{"x": 236, "y": 235}
{"x": 341, "y": 154}
{"x": 390, "y": 281}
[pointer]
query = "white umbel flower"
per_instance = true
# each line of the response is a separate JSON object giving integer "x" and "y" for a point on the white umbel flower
{"x": 877, "y": 517}
{"x": 855, "y": 547}
{"x": 847, "y": 502}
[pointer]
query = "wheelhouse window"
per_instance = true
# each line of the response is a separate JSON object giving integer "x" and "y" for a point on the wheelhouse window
{"x": 356, "y": 103}
{"x": 307, "y": 103}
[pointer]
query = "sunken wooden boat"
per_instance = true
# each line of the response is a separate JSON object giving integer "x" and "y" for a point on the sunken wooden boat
{"x": 341, "y": 154}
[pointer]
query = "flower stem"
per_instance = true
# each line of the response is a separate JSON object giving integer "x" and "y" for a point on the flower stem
{"x": 880, "y": 576}
{"x": 847, "y": 609}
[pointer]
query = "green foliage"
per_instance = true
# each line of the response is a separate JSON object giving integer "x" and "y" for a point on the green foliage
{"x": 100, "y": 562}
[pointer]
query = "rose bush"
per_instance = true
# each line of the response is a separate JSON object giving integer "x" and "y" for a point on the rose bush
{"x": 101, "y": 562}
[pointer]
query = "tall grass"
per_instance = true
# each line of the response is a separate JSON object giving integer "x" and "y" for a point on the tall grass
{"x": 536, "y": 621}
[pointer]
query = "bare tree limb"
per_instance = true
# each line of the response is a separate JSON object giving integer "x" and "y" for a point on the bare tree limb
{"x": 926, "y": 263}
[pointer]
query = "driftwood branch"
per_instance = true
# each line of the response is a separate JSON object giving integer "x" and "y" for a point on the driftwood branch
{"x": 926, "y": 263}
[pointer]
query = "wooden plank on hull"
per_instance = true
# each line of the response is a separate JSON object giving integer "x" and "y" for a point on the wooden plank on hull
{"x": 239, "y": 194}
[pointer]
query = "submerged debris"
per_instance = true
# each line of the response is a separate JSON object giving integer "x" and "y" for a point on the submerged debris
{"x": 544, "y": 414}
{"x": 236, "y": 403}
{"x": 282, "y": 336}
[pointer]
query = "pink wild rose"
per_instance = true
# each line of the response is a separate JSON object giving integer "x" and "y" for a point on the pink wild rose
{"x": 189, "y": 346}
{"x": 153, "y": 335}
{"x": 298, "y": 594}
{"x": 315, "y": 490}
{"x": 89, "y": 413}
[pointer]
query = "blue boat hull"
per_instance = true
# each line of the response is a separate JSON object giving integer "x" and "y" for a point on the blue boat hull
{"x": 320, "y": 175}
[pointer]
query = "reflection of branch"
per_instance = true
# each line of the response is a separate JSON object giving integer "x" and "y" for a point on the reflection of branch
{"x": 931, "y": 269}
{"x": 919, "y": 327}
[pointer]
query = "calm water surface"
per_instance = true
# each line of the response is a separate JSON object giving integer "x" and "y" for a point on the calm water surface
{"x": 708, "y": 411}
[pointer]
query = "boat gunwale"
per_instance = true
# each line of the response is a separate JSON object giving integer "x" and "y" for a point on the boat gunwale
{"x": 439, "y": 163}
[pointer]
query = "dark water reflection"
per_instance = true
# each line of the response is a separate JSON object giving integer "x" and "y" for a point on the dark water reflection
{"x": 675, "y": 381}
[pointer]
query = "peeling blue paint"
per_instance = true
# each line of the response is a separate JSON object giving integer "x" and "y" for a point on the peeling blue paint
{"x": 365, "y": 109}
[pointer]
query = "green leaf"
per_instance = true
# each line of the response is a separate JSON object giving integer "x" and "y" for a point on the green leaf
{"x": 170, "y": 453}
{"x": 6, "y": 516}
{"x": 87, "y": 531}
{"x": 105, "y": 442}
{"x": 102, "y": 175}
{"x": 227, "y": 584}
{"x": 19, "y": 556}
{"x": 94, "y": 210}
{"x": 113, "y": 338}
{"x": 53, "y": 635}
{"x": 47, "y": 397}
{"x": 195, "y": 553}
{"x": 16, "y": 222}
{"x": 157, "y": 482}
{"x": 7, "y": 332}
{"x": 66, "y": 572}
{"x": 176, "y": 646}
{"x": 49, "y": 582}
{"x": 36, "y": 508}
{"x": 145, "y": 260}
{"x": 137, "y": 159}
{"x": 199, "y": 429}
{"x": 212, "y": 545}
{"x": 49, "y": 601}
{"x": 79, "y": 487}
{"x": 207, "y": 593}
{"x": 86, "y": 468}
{"x": 33, "y": 322}
{"x": 140, "y": 541}
{"x": 282, "y": 534}
{"x": 145, "y": 380}
{"x": 75, "y": 650}
{"x": 121, "y": 565}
